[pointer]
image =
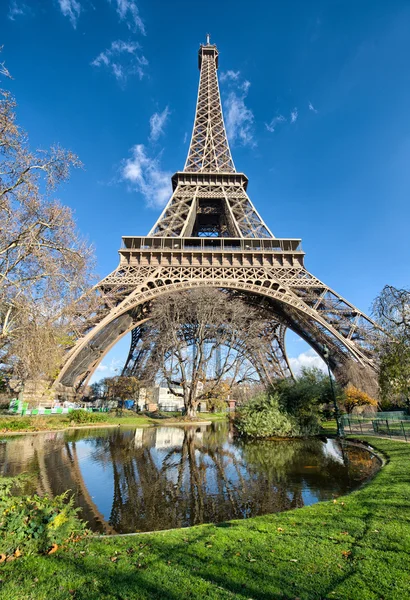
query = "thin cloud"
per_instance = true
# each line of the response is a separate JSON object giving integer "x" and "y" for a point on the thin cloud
{"x": 70, "y": 9}
{"x": 129, "y": 13}
{"x": 229, "y": 76}
{"x": 308, "y": 360}
{"x": 122, "y": 59}
{"x": 185, "y": 137}
{"x": 239, "y": 120}
{"x": 157, "y": 123}
{"x": 294, "y": 115}
{"x": 144, "y": 174}
{"x": 17, "y": 10}
{"x": 312, "y": 108}
{"x": 273, "y": 123}
{"x": 239, "y": 117}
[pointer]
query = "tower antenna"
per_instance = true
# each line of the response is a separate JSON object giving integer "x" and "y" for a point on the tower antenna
{"x": 208, "y": 38}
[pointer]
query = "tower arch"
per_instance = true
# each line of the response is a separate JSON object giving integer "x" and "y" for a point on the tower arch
{"x": 211, "y": 235}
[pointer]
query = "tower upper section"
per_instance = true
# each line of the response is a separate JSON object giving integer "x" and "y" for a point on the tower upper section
{"x": 209, "y": 149}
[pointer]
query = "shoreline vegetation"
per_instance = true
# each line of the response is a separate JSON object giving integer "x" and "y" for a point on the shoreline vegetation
{"x": 14, "y": 425}
{"x": 355, "y": 547}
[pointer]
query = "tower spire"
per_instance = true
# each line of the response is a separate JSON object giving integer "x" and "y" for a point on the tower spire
{"x": 209, "y": 198}
{"x": 209, "y": 148}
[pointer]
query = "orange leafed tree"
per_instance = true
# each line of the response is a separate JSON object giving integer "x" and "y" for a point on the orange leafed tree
{"x": 354, "y": 397}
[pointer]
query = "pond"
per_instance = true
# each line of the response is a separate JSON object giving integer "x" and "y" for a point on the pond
{"x": 146, "y": 479}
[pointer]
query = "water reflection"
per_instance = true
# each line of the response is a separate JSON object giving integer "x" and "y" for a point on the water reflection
{"x": 165, "y": 477}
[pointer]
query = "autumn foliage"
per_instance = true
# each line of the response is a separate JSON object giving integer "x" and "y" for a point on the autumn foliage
{"x": 354, "y": 397}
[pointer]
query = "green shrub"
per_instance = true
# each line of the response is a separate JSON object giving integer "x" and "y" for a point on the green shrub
{"x": 262, "y": 417}
{"x": 33, "y": 524}
{"x": 307, "y": 398}
{"x": 83, "y": 416}
{"x": 15, "y": 423}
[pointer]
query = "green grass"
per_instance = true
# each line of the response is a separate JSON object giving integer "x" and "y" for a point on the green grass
{"x": 355, "y": 549}
{"x": 45, "y": 422}
{"x": 329, "y": 427}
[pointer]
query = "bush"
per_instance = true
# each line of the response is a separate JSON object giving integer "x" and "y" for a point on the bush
{"x": 14, "y": 423}
{"x": 83, "y": 416}
{"x": 307, "y": 398}
{"x": 261, "y": 417}
{"x": 34, "y": 524}
{"x": 354, "y": 398}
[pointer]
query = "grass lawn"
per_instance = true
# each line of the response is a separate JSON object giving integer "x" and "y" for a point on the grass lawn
{"x": 357, "y": 548}
{"x": 44, "y": 423}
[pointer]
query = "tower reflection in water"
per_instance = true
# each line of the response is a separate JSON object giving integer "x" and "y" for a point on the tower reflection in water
{"x": 166, "y": 477}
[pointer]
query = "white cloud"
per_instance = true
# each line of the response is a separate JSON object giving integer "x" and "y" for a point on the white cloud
{"x": 312, "y": 108}
{"x": 271, "y": 126}
{"x": 16, "y": 10}
{"x": 238, "y": 117}
{"x": 185, "y": 137}
{"x": 239, "y": 120}
{"x": 294, "y": 115}
{"x": 229, "y": 76}
{"x": 102, "y": 368}
{"x": 122, "y": 59}
{"x": 144, "y": 174}
{"x": 128, "y": 12}
{"x": 308, "y": 360}
{"x": 157, "y": 123}
{"x": 70, "y": 9}
{"x": 245, "y": 86}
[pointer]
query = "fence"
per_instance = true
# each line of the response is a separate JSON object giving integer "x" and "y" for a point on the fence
{"x": 393, "y": 427}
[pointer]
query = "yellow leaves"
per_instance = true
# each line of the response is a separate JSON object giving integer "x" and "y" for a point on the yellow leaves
{"x": 53, "y": 549}
{"x": 4, "y": 558}
{"x": 280, "y": 529}
{"x": 346, "y": 553}
{"x": 355, "y": 397}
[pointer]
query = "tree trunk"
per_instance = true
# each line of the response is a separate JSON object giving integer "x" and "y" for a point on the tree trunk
{"x": 191, "y": 410}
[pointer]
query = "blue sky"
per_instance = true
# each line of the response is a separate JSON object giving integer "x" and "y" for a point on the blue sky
{"x": 316, "y": 96}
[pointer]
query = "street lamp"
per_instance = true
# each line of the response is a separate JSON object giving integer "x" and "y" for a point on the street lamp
{"x": 340, "y": 431}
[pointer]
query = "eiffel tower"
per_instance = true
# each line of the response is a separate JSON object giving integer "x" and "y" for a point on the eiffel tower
{"x": 210, "y": 235}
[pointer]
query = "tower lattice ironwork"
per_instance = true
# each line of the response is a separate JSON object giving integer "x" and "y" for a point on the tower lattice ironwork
{"x": 210, "y": 235}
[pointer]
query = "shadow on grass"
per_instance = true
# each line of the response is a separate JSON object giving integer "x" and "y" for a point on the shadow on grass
{"x": 356, "y": 548}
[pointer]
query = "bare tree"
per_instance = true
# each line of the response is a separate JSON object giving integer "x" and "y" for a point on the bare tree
{"x": 392, "y": 310}
{"x": 44, "y": 263}
{"x": 203, "y": 337}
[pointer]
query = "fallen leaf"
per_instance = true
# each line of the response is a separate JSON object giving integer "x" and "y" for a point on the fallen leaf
{"x": 346, "y": 553}
{"x": 345, "y": 533}
{"x": 293, "y": 560}
{"x": 335, "y": 501}
{"x": 2, "y": 558}
{"x": 17, "y": 553}
{"x": 54, "y": 548}
{"x": 114, "y": 558}
{"x": 280, "y": 529}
